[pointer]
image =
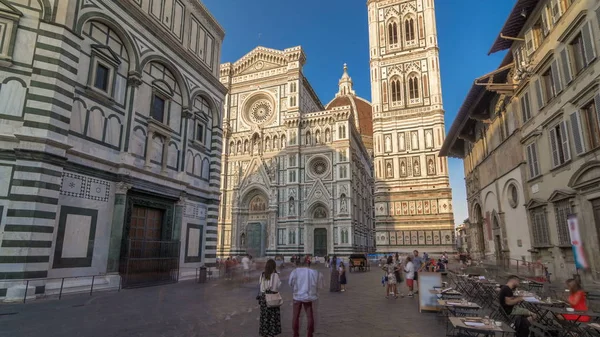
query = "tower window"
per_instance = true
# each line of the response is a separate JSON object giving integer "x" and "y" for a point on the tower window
{"x": 413, "y": 87}
{"x": 393, "y": 33}
{"x": 384, "y": 92}
{"x": 409, "y": 29}
{"x": 396, "y": 90}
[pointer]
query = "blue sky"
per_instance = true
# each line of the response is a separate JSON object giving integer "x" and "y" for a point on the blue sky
{"x": 334, "y": 32}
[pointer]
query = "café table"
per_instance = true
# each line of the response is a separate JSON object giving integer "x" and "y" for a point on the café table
{"x": 540, "y": 308}
{"x": 573, "y": 327}
{"x": 459, "y": 307}
{"x": 477, "y": 326}
{"x": 446, "y": 294}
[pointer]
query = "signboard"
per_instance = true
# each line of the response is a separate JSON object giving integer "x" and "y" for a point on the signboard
{"x": 576, "y": 244}
{"x": 427, "y": 300}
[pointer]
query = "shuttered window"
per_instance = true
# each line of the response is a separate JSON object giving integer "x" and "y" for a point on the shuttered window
{"x": 562, "y": 209}
{"x": 588, "y": 43}
{"x": 566, "y": 67}
{"x": 525, "y": 108}
{"x": 556, "y": 80}
{"x": 538, "y": 93}
{"x": 559, "y": 144}
{"x": 591, "y": 123}
{"x": 539, "y": 227}
{"x": 532, "y": 160}
{"x": 578, "y": 135}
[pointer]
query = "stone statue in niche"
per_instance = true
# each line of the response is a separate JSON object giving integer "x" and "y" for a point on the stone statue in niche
{"x": 308, "y": 138}
{"x": 317, "y": 137}
{"x": 327, "y": 136}
{"x": 403, "y": 168}
{"x": 292, "y": 207}
{"x": 246, "y": 146}
{"x": 343, "y": 205}
{"x": 415, "y": 141}
{"x": 243, "y": 240}
{"x": 389, "y": 170}
{"x": 267, "y": 146}
{"x": 430, "y": 167}
{"x": 388, "y": 143}
{"x": 428, "y": 139}
{"x": 417, "y": 168}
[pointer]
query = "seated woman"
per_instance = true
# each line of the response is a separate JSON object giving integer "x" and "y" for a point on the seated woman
{"x": 577, "y": 300}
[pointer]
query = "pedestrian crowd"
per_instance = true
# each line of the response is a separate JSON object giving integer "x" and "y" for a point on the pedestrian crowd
{"x": 397, "y": 269}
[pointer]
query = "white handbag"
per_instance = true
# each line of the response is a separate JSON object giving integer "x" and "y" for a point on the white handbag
{"x": 274, "y": 300}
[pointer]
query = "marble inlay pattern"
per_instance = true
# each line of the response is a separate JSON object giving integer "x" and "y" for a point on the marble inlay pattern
{"x": 79, "y": 186}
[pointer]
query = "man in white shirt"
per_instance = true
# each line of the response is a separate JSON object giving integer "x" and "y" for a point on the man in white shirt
{"x": 305, "y": 283}
{"x": 246, "y": 267}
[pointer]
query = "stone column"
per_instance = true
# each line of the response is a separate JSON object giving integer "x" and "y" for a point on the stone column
{"x": 149, "y": 148}
{"x": 178, "y": 221}
{"x": 116, "y": 232}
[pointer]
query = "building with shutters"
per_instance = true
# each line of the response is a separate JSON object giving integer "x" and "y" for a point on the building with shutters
{"x": 413, "y": 198}
{"x": 556, "y": 97}
{"x": 297, "y": 175}
{"x": 486, "y": 134}
{"x": 110, "y": 142}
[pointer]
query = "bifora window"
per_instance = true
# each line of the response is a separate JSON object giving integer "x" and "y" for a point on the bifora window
{"x": 393, "y": 33}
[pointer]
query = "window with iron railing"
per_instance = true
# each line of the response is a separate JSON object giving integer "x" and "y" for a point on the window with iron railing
{"x": 562, "y": 209}
{"x": 539, "y": 228}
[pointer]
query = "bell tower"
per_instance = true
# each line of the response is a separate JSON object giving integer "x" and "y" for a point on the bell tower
{"x": 413, "y": 198}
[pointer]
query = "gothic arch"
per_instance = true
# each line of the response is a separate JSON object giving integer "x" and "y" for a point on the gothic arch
{"x": 312, "y": 208}
{"x": 134, "y": 58}
{"x": 185, "y": 94}
{"x": 250, "y": 191}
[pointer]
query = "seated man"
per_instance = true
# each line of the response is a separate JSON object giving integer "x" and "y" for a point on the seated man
{"x": 508, "y": 301}
{"x": 440, "y": 267}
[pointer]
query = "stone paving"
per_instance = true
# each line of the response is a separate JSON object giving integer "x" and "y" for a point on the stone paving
{"x": 218, "y": 308}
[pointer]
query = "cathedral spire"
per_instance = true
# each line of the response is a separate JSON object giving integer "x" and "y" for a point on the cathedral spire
{"x": 345, "y": 84}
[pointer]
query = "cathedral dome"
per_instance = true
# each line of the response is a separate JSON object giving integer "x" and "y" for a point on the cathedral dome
{"x": 361, "y": 108}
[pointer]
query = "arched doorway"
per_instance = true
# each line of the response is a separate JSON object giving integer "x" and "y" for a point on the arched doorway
{"x": 253, "y": 239}
{"x": 319, "y": 215}
{"x": 497, "y": 238}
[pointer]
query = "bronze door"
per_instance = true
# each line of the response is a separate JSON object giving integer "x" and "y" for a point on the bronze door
{"x": 150, "y": 258}
{"x": 320, "y": 242}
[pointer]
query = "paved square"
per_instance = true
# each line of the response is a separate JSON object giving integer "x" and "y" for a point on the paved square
{"x": 218, "y": 308}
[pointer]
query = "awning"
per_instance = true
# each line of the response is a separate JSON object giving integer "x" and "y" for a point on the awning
{"x": 514, "y": 24}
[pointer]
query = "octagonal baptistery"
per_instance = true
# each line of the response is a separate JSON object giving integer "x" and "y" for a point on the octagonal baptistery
{"x": 361, "y": 109}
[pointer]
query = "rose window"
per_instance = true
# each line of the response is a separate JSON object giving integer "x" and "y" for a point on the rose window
{"x": 319, "y": 166}
{"x": 261, "y": 111}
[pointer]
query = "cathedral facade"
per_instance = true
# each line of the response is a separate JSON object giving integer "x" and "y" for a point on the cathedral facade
{"x": 296, "y": 175}
{"x": 413, "y": 198}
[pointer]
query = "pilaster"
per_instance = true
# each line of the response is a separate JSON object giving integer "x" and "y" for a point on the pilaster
{"x": 116, "y": 232}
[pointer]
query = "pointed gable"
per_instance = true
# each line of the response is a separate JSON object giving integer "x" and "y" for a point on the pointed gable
{"x": 260, "y": 58}
{"x": 559, "y": 195}
{"x": 319, "y": 193}
{"x": 254, "y": 174}
{"x": 534, "y": 203}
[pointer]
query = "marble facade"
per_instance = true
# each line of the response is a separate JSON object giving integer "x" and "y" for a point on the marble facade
{"x": 107, "y": 109}
{"x": 413, "y": 198}
{"x": 296, "y": 175}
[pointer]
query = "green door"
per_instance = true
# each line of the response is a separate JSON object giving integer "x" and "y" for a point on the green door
{"x": 320, "y": 242}
{"x": 254, "y": 240}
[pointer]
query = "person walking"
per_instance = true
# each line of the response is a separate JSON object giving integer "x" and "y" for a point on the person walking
{"x": 305, "y": 283}
{"x": 418, "y": 264}
{"x": 343, "y": 281}
{"x": 246, "y": 268}
{"x": 334, "y": 283}
{"x": 409, "y": 270}
{"x": 270, "y": 317}
{"x": 390, "y": 272}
